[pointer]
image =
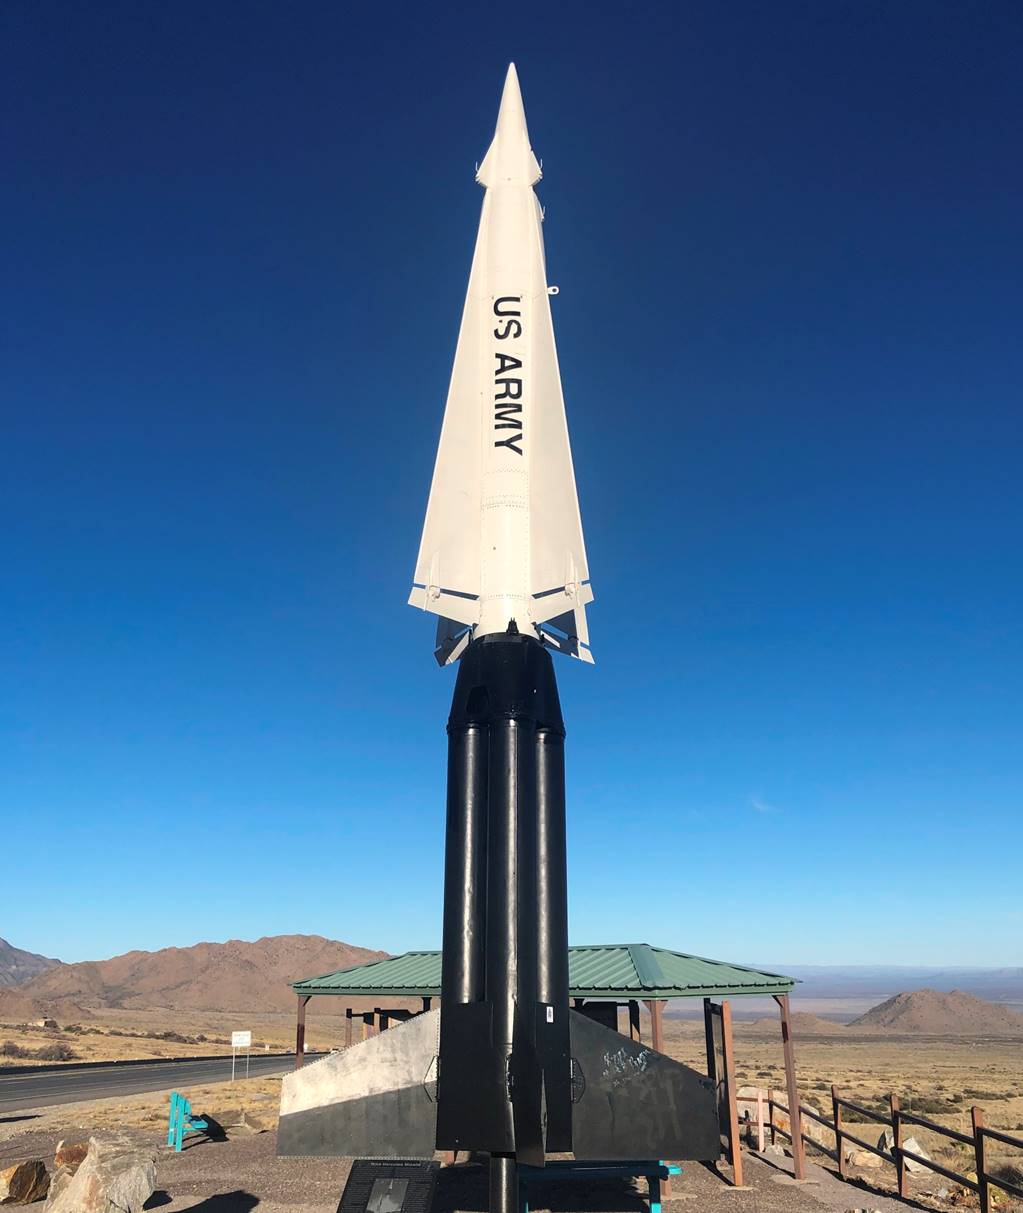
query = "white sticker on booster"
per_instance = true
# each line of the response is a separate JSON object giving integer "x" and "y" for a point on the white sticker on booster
{"x": 550, "y": 1014}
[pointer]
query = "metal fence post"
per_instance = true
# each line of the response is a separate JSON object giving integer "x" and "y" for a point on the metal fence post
{"x": 760, "y": 1120}
{"x": 770, "y": 1112}
{"x": 977, "y": 1117}
{"x": 836, "y": 1114}
{"x": 900, "y": 1162}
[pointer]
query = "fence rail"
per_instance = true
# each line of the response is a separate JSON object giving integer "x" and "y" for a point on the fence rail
{"x": 897, "y": 1156}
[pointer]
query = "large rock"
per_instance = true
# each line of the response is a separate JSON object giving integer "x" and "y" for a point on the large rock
{"x": 116, "y": 1176}
{"x": 812, "y": 1131}
{"x": 886, "y": 1142}
{"x": 70, "y": 1154}
{"x": 24, "y": 1183}
{"x": 863, "y": 1158}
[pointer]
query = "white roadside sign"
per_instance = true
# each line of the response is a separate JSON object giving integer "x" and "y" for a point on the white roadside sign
{"x": 241, "y": 1040}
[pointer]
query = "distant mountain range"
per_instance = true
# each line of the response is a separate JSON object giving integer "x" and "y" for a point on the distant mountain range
{"x": 17, "y": 966}
{"x": 232, "y": 976}
{"x": 882, "y": 981}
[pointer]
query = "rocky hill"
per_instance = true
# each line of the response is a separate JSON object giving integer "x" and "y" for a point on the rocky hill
{"x": 946, "y": 1014}
{"x": 17, "y": 966}
{"x": 232, "y": 976}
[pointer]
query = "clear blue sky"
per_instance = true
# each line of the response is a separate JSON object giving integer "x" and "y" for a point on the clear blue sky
{"x": 788, "y": 243}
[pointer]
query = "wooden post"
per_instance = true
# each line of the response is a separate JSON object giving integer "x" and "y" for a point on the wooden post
{"x": 795, "y": 1119}
{"x": 836, "y": 1114}
{"x": 634, "y": 1032}
{"x": 427, "y": 1003}
{"x": 656, "y": 1008}
{"x": 367, "y": 1025}
{"x": 300, "y": 1030}
{"x": 977, "y": 1117}
{"x": 900, "y": 1162}
{"x": 348, "y": 1027}
{"x": 760, "y": 1119}
{"x": 734, "y": 1150}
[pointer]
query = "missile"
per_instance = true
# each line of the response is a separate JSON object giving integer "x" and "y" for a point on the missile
{"x": 502, "y": 542}
{"x": 503, "y": 1067}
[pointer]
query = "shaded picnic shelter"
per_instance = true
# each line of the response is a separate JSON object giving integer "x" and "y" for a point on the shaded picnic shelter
{"x": 604, "y": 980}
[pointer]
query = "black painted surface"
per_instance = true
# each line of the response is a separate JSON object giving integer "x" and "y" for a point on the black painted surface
{"x": 492, "y": 1083}
{"x": 637, "y": 1103}
{"x": 389, "y": 1187}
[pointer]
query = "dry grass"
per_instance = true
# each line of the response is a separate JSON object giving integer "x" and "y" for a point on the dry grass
{"x": 258, "y": 1096}
{"x": 112, "y": 1035}
{"x": 937, "y": 1078}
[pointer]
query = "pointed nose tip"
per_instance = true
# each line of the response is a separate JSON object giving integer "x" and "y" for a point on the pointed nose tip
{"x": 512, "y": 113}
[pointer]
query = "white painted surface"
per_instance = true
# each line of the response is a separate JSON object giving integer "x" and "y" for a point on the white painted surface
{"x": 502, "y": 540}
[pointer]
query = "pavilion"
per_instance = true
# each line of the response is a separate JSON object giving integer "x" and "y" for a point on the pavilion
{"x": 603, "y": 978}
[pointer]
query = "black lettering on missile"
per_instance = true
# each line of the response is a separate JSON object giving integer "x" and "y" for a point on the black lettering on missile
{"x": 510, "y": 328}
{"x": 508, "y": 387}
{"x": 506, "y": 362}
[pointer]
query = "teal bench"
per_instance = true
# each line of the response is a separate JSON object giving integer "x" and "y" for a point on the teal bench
{"x": 181, "y": 1121}
{"x": 653, "y": 1172}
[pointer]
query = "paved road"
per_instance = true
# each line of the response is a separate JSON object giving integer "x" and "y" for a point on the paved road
{"x": 106, "y": 1082}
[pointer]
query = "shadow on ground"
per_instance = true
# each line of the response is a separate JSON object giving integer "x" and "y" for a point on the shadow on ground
{"x": 225, "y": 1202}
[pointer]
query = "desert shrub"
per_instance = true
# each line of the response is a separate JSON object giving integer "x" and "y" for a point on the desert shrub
{"x": 972, "y": 1093}
{"x": 59, "y": 1051}
{"x": 75, "y": 1029}
{"x": 924, "y": 1105}
{"x": 10, "y": 1049}
{"x": 763, "y": 1073}
{"x": 1010, "y": 1172}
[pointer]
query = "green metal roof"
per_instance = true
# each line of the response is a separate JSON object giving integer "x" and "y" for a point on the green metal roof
{"x": 633, "y": 970}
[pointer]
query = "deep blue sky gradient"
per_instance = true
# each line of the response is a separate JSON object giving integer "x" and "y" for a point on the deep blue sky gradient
{"x": 788, "y": 242}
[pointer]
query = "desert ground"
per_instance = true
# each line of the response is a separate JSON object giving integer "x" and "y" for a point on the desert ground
{"x": 940, "y": 1077}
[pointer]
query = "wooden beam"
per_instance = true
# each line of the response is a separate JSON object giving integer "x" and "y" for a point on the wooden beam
{"x": 300, "y": 1030}
{"x": 656, "y": 1008}
{"x": 634, "y": 1031}
{"x": 734, "y": 1148}
{"x": 795, "y": 1118}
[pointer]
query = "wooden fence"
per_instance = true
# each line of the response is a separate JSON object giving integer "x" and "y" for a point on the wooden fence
{"x": 895, "y": 1120}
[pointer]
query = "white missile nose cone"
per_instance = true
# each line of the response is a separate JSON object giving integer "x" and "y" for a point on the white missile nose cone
{"x": 510, "y": 159}
{"x": 511, "y": 118}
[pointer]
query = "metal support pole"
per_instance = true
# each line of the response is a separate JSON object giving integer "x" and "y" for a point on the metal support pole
{"x": 504, "y": 1184}
{"x": 708, "y": 1028}
{"x": 977, "y": 1118}
{"x": 348, "y": 1027}
{"x": 299, "y": 1031}
{"x": 836, "y": 1115}
{"x": 734, "y": 1146}
{"x": 795, "y": 1119}
{"x": 634, "y": 1030}
{"x": 900, "y": 1162}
